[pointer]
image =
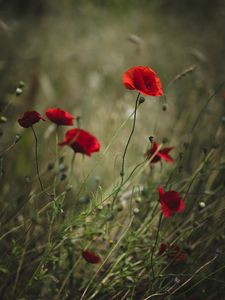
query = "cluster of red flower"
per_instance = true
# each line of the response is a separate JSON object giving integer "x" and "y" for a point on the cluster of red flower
{"x": 145, "y": 81}
{"x": 78, "y": 139}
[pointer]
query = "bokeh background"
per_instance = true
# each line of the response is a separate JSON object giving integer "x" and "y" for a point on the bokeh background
{"x": 71, "y": 54}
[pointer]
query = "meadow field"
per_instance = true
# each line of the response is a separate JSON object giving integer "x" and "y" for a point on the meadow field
{"x": 112, "y": 165}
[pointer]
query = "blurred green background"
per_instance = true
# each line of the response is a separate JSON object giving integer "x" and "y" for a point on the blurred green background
{"x": 71, "y": 54}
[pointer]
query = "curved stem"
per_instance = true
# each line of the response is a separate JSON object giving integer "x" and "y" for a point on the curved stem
{"x": 122, "y": 172}
{"x": 36, "y": 158}
{"x": 56, "y": 160}
{"x": 72, "y": 164}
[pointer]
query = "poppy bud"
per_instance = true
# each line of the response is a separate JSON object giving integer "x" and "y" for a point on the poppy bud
{"x": 122, "y": 174}
{"x": 151, "y": 138}
{"x": 119, "y": 208}
{"x": 138, "y": 200}
{"x": 136, "y": 211}
{"x": 100, "y": 207}
{"x": 164, "y": 107}
{"x": 3, "y": 120}
{"x": 17, "y": 138}
{"x": 19, "y": 91}
{"x": 21, "y": 84}
{"x": 201, "y": 205}
{"x": 141, "y": 100}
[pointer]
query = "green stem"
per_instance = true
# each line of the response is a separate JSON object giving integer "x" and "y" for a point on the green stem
{"x": 36, "y": 158}
{"x": 122, "y": 172}
{"x": 72, "y": 164}
{"x": 56, "y": 161}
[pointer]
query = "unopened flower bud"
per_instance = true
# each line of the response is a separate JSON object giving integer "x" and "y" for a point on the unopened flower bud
{"x": 138, "y": 200}
{"x": 164, "y": 107}
{"x": 3, "y": 120}
{"x": 21, "y": 84}
{"x": 19, "y": 91}
{"x": 136, "y": 211}
{"x": 141, "y": 100}
{"x": 17, "y": 138}
{"x": 100, "y": 207}
{"x": 201, "y": 205}
{"x": 151, "y": 138}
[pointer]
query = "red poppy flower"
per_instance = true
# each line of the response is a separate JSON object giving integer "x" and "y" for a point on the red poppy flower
{"x": 161, "y": 154}
{"x": 29, "y": 118}
{"x": 144, "y": 80}
{"x": 173, "y": 252}
{"x": 171, "y": 202}
{"x": 91, "y": 257}
{"x": 81, "y": 141}
{"x": 59, "y": 116}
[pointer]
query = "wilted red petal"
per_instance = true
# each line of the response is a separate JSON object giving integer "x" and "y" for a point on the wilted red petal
{"x": 161, "y": 154}
{"x": 162, "y": 248}
{"x": 30, "y": 118}
{"x": 91, "y": 257}
{"x": 173, "y": 252}
{"x": 59, "y": 116}
{"x": 144, "y": 80}
{"x": 81, "y": 141}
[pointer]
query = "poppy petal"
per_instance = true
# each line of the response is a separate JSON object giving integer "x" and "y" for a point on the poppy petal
{"x": 91, "y": 257}
{"x": 144, "y": 80}
{"x": 59, "y": 116}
